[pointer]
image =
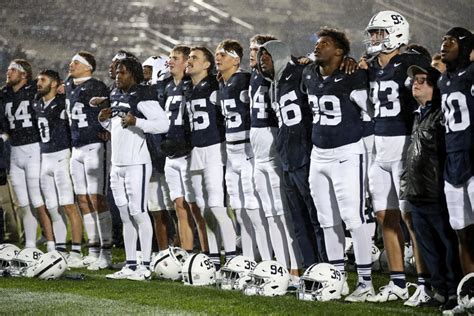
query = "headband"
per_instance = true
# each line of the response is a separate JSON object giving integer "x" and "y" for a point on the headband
{"x": 82, "y": 60}
{"x": 16, "y": 66}
{"x": 231, "y": 53}
{"x": 119, "y": 56}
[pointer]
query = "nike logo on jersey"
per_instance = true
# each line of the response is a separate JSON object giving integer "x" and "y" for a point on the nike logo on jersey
{"x": 337, "y": 79}
{"x": 343, "y": 161}
{"x": 461, "y": 73}
{"x": 249, "y": 158}
{"x": 229, "y": 84}
{"x": 288, "y": 78}
{"x": 396, "y": 64}
{"x": 132, "y": 93}
{"x": 461, "y": 37}
{"x": 83, "y": 89}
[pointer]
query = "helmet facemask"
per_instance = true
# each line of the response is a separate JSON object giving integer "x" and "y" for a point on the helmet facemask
{"x": 386, "y": 32}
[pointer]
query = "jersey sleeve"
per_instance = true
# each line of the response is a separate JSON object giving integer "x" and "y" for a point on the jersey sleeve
{"x": 359, "y": 93}
{"x": 156, "y": 121}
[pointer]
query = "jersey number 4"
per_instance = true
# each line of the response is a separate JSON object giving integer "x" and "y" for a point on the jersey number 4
{"x": 76, "y": 114}
{"x": 21, "y": 114}
{"x": 175, "y": 110}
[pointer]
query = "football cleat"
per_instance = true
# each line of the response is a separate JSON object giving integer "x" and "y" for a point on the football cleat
{"x": 361, "y": 293}
{"x": 421, "y": 296}
{"x": 390, "y": 292}
{"x": 89, "y": 259}
{"x": 120, "y": 275}
{"x": 140, "y": 274}
{"x": 103, "y": 262}
{"x": 75, "y": 260}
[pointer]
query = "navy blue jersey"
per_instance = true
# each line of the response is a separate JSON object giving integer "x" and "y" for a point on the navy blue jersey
{"x": 369, "y": 126}
{"x": 52, "y": 124}
{"x": 337, "y": 117}
{"x": 205, "y": 116}
{"x": 294, "y": 119}
{"x": 457, "y": 100}
{"x": 235, "y": 104}
{"x": 391, "y": 95}
{"x": 85, "y": 126}
{"x": 178, "y": 138}
{"x": 20, "y": 118}
{"x": 261, "y": 114}
{"x": 123, "y": 102}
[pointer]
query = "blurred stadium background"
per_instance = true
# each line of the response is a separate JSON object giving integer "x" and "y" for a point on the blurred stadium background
{"x": 49, "y": 32}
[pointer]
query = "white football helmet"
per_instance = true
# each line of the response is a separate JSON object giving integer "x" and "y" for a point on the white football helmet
{"x": 50, "y": 266}
{"x": 160, "y": 67}
{"x": 320, "y": 282}
{"x": 24, "y": 262}
{"x": 375, "y": 252}
{"x": 198, "y": 270}
{"x": 396, "y": 32}
{"x": 7, "y": 253}
{"x": 466, "y": 293}
{"x": 235, "y": 273}
{"x": 269, "y": 278}
{"x": 168, "y": 263}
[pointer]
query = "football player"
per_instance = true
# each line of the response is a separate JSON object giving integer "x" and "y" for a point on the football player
{"x": 337, "y": 171}
{"x": 134, "y": 111}
{"x": 456, "y": 87}
{"x": 292, "y": 142}
{"x": 89, "y": 159}
{"x": 177, "y": 147}
{"x": 234, "y": 98}
{"x": 55, "y": 147}
{"x": 121, "y": 54}
{"x": 25, "y": 157}
{"x": 207, "y": 156}
{"x": 154, "y": 67}
{"x": 159, "y": 203}
{"x": 116, "y": 221}
{"x": 393, "y": 103}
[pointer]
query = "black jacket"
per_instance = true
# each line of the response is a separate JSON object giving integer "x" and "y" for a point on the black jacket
{"x": 422, "y": 181}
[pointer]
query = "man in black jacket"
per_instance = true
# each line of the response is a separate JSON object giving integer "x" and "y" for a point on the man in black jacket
{"x": 422, "y": 185}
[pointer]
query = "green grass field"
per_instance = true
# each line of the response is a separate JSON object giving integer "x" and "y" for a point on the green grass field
{"x": 96, "y": 295}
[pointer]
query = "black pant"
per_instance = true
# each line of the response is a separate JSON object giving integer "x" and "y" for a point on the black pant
{"x": 438, "y": 246}
{"x": 309, "y": 235}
